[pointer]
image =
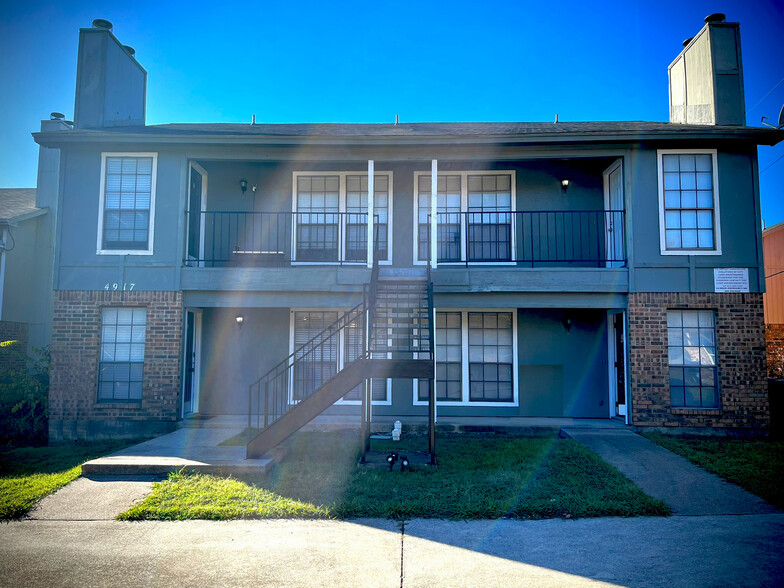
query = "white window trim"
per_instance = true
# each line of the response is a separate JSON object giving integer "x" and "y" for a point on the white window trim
{"x": 110, "y": 401}
{"x": 716, "y": 218}
{"x": 463, "y": 209}
{"x": 153, "y": 181}
{"x": 464, "y": 376}
{"x": 340, "y": 311}
{"x": 715, "y": 366}
{"x": 341, "y": 209}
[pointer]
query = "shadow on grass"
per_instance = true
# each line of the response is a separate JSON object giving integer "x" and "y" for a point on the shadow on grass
{"x": 757, "y": 465}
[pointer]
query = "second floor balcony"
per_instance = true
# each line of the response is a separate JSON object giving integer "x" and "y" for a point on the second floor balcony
{"x": 536, "y": 238}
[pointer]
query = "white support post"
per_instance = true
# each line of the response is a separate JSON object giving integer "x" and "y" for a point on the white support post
{"x": 434, "y": 214}
{"x": 370, "y": 208}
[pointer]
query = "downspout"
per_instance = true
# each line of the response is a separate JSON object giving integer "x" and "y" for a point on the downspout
{"x": 3, "y": 241}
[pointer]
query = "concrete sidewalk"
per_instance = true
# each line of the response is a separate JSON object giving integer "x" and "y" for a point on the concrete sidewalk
{"x": 685, "y": 487}
{"x": 645, "y": 552}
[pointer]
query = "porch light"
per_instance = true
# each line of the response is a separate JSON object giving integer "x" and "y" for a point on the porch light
{"x": 240, "y": 319}
{"x": 564, "y": 186}
{"x": 404, "y": 464}
{"x": 244, "y": 185}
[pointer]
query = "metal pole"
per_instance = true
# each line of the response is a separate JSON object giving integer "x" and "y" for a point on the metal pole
{"x": 434, "y": 214}
{"x": 431, "y": 445}
{"x": 370, "y": 208}
{"x": 266, "y": 404}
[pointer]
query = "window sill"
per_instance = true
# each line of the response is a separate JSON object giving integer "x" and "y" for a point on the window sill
{"x": 111, "y": 404}
{"x": 686, "y": 252}
{"x": 697, "y": 411}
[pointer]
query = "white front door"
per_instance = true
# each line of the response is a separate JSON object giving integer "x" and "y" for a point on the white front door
{"x": 197, "y": 202}
{"x": 616, "y": 331}
{"x": 614, "y": 215}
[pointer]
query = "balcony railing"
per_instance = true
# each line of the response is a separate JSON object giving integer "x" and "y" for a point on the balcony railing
{"x": 533, "y": 238}
{"x": 218, "y": 239}
{"x": 588, "y": 238}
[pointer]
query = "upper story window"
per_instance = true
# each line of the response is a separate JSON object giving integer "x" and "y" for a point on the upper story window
{"x": 125, "y": 224}
{"x": 689, "y": 203}
{"x": 331, "y": 216}
{"x": 474, "y": 216}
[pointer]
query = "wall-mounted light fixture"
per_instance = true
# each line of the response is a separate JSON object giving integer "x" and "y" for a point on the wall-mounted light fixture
{"x": 240, "y": 319}
{"x": 567, "y": 324}
{"x": 244, "y": 185}
{"x": 564, "y": 186}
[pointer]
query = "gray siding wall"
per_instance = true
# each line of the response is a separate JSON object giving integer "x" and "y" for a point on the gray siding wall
{"x": 741, "y": 233}
{"x": 561, "y": 374}
{"x": 537, "y": 189}
{"x": 79, "y": 267}
{"x": 27, "y": 289}
{"x": 233, "y": 357}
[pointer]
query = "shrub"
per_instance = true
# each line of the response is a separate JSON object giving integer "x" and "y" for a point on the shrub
{"x": 24, "y": 401}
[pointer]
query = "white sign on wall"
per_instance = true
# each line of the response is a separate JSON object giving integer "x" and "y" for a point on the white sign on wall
{"x": 731, "y": 279}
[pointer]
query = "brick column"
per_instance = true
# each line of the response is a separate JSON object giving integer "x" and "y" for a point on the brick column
{"x": 74, "y": 410}
{"x": 740, "y": 331}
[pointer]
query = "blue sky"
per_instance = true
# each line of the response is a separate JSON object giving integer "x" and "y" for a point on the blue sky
{"x": 368, "y": 61}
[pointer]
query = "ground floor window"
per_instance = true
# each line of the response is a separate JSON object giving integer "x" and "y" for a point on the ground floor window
{"x": 475, "y": 358}
{"x": 314, "y": 368}
{"x": 691, "y": 343}
{"x": 121, "y": 363}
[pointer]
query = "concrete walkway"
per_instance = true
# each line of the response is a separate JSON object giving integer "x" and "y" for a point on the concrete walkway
{"x": 688, "y": 489}
{"x": 98, "y": 498}
{"x": 643, "y": 552}
{"x": 197, "y": 449}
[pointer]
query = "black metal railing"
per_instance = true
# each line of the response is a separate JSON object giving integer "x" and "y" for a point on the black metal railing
{"x": 217, "y": 238}
{"x": 304, "y": 371}
{"x": 587, "y": 237}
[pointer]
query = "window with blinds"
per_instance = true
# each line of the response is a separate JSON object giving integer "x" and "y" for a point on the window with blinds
{"x": 127, "y": 203}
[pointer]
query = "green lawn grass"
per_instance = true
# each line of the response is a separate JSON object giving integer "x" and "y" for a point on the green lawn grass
{"x": 27, "y": 474}
{"x": 478, "y": 476}
{"x": 754, "y": 464}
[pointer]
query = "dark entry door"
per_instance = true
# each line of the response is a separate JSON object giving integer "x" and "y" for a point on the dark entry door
{"x": 620, "y": 366}
{"x": 190, "y": 363}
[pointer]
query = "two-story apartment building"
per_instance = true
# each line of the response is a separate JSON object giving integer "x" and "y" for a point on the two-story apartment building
{"x": 586, "y": 270}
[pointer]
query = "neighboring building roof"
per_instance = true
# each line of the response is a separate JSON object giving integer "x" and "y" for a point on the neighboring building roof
{"x": 18, "y": 204}
{"x": 773, "y": 229}
{"x": 521, "y": 132}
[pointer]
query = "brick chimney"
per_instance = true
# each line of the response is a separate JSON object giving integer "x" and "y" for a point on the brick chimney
{"x": 706, "y": 79}
{"x": 111, "y": 86}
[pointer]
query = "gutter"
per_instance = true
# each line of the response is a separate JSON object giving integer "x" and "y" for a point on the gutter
{"x": 750, "y": 134}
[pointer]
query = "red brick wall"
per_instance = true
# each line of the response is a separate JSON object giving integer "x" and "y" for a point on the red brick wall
{"x": 741, "y": 361}
{"x": 774, "y": 338}
{"x": 74, "y": 410}
{"x": 14, "y": 356}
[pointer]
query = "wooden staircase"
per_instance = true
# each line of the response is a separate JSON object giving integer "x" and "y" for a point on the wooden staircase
{"x": 397, "y": 314}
